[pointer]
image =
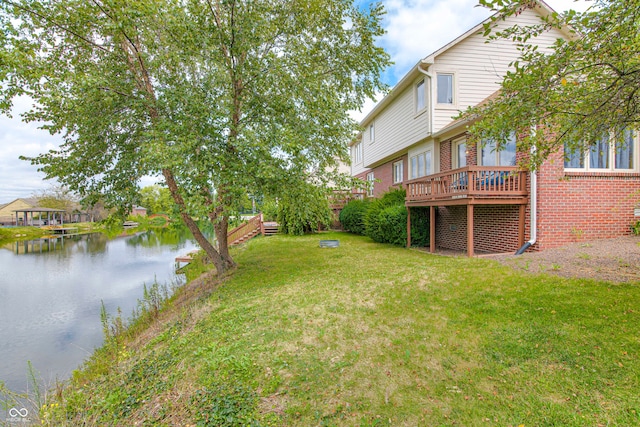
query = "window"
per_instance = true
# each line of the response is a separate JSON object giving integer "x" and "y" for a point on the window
{"x": 421, "y": 165}
{"x": 420, "y": 96}
{"x": 398, "y": 172}
{"x": 370, "y": 184}
{"x": 356, "y": 153}
{"x": 599, "y": 154}
{"x": 445, "y": 88}
{"x": 489, "y": 156}
{"x": 573, "y": 159}
{"x": 371, "y": 133}
{"x": 602, "y": 155}
{"x": 624, "y": 150}
{"x": 459, "y": 154}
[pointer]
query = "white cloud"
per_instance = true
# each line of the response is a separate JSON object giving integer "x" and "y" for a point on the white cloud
{"x": 18, "y": 178}
{"x": 419, "y": 27}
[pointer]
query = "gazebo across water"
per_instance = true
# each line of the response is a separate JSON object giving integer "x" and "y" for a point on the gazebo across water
{"x": 54, "y": 216}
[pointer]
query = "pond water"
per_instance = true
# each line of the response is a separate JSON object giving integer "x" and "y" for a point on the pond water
{"x": 51, "y": 291}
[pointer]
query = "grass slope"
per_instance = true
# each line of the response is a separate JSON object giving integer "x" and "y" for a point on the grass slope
{"x": 372, "y": 335}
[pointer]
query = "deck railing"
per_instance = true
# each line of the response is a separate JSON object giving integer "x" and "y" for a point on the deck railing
{"x": 248, "y": 228}
{"x": 339, "y": 198}
{"x": 471, "y": 181}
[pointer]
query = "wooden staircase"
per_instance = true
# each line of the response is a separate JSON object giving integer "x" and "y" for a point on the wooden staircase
{"x": 250, "y": 229}
{"x": 238, "y": 235}
{"x": 270, "y": 228}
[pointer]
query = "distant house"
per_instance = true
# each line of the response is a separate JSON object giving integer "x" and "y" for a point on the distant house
{"x": 7, "y": 211}
{"x": 138, "y": 211}
{"x": 479, "y": 201}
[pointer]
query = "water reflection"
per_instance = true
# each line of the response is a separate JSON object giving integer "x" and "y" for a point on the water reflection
{"x": 51, "y": 292}
{"x": 87, "y": 243}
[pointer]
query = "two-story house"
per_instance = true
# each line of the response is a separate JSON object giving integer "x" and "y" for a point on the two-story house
{"x": 479, "y": 200}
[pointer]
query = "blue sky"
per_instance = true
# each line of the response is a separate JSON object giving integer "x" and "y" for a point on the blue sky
{"x": 415, "y": 28}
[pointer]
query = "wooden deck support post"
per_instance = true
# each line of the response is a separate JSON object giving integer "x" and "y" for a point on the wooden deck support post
{"x": 432, "y": 229}
{"x": 261, "y": 224}
{"x": 408, "y": 227}
{"x": 521, "y": 224}
{"x": 470, "y": 230}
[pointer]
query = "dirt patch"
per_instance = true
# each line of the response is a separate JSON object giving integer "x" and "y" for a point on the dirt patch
{"x": 613, "y": 260}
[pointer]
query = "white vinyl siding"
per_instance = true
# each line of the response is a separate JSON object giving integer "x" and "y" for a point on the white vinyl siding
{"x": 479, "y": 67}
{"x": 396, "y": 128}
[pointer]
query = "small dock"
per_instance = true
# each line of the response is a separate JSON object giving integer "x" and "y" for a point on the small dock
{"x": 64, "y": 230}
{"x": 187, "y": 258}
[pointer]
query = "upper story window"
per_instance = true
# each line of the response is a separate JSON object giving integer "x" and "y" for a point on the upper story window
{"x": 490, "y": 156}
{"x": 421, "y": 165}
{"x": 398, "y": 172}
{"x": 603, "y": 155}
{"x": 356, "y": 153}
{"x": 445, "y": 89}
{"x": 421, "y": 96}
{"x": 372, "y": 133}
{"x": 370, "y": 184}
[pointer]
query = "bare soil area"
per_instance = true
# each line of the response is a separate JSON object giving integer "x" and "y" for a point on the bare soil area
{"x": 612, "y": 260}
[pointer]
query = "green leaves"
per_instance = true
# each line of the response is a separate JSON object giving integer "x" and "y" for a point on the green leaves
{"x": 587, "y": 84}
{"x": 223, "y": 97}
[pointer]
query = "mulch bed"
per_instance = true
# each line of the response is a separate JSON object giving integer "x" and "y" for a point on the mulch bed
{"x": 613, "y": 260}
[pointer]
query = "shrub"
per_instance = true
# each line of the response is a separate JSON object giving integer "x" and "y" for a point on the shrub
{"x": 419, "y": 227}
{"x": 635, "y": 228}
{"x": 392, "y": 223}
{"x": 352, "y": 216}
{"x": 386, "y": 221}
{"x": 373, "y": 228}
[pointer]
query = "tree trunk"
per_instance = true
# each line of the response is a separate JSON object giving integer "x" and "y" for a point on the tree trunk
{"x": 218, "y": 261}
{"x": 221, "y": 227}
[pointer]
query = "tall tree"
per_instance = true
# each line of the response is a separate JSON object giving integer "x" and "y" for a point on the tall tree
{"x": 156, "y": 199}
{"x": 57, "y": 197}
{"x": 219, "y": 97}
{"x": 586, "y": 87}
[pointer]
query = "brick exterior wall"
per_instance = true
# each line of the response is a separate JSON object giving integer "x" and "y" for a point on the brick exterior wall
{"x": 496, "y": 228}
{"x": 572, "y": 206}
{"x": 577, "y": 206}
{"x": 384, "y": 173}
{"x": 445, "y": 156}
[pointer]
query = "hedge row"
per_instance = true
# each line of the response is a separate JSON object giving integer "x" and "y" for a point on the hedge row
{"x": 385, "y": 219}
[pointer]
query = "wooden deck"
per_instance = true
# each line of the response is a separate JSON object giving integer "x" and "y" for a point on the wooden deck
{"x": 470, "y": 186}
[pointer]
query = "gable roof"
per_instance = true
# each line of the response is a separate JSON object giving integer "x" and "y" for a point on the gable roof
{"x": 421, "y": 66}
{"x": 454, "y": 126}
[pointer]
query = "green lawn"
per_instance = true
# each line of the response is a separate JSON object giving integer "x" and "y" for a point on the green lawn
{"x": 373, "y": 335}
